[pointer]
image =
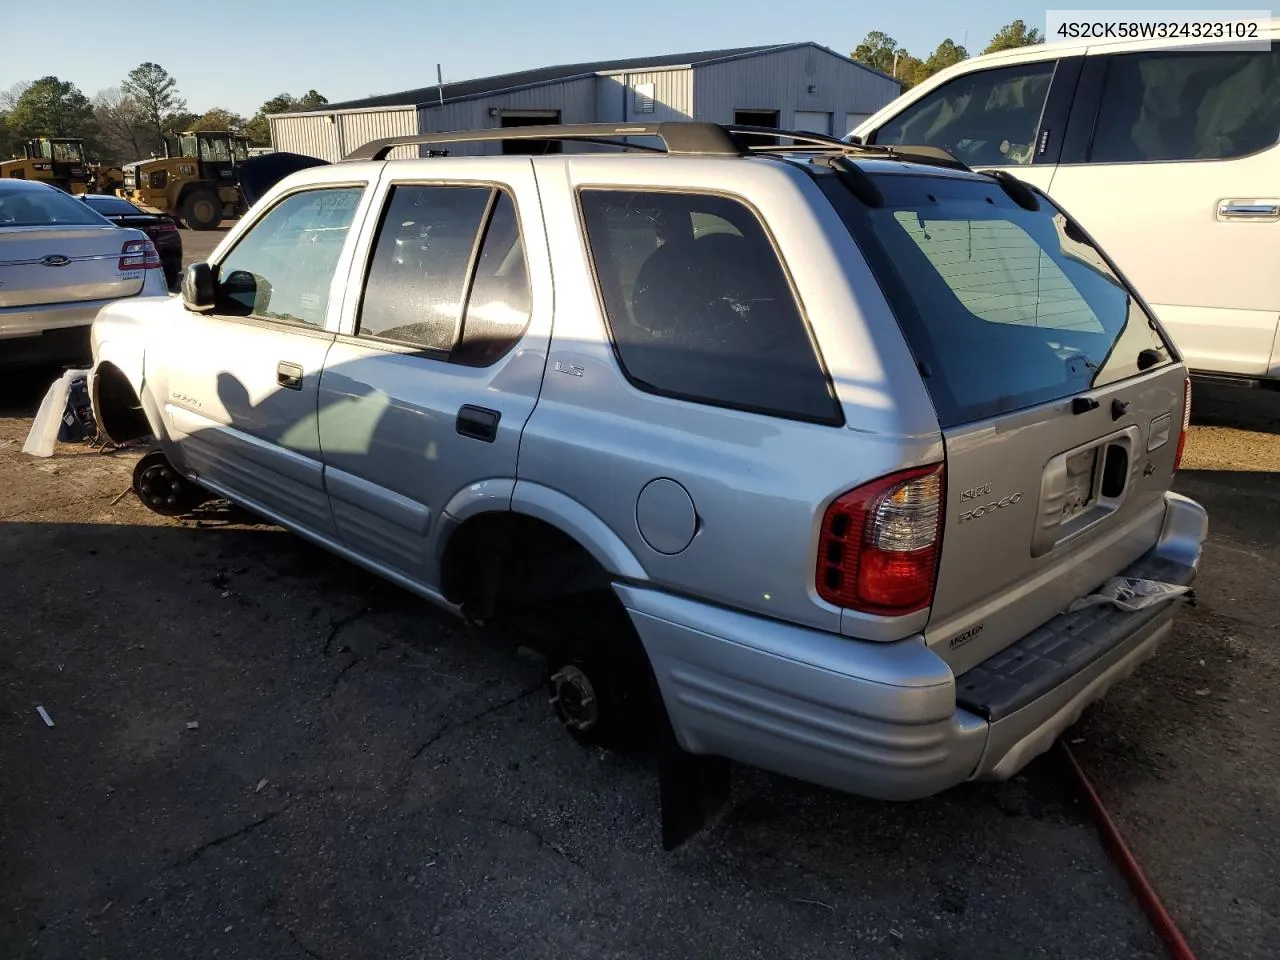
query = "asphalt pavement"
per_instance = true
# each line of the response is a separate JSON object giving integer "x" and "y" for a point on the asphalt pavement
{"x": 258, "y": 750}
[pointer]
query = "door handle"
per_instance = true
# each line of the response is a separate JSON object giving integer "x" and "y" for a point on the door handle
{"x": 478, "y": 423}
{"x": 289, "y": 375}
{"x": 1249, "y": 210}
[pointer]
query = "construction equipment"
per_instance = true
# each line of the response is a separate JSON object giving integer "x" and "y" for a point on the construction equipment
{"x": 58, "y": 161}
{"x": 104, "y": 178}
{"x": 199, "y": 185}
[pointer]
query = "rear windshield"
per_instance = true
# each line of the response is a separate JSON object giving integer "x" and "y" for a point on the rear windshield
{"x": 44, "y": 208}
{"x": 1002, "y": 308}
{"x": 113, "y": 206}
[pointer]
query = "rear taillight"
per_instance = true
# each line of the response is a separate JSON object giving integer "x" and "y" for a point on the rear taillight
{"x": 878, "y": 550}
{"x": 1186, "y": 424}
{"x": 139, "y": 255}
{"x": 165, "y": 228}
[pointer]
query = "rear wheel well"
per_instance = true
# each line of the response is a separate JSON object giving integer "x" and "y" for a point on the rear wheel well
{"x": 116, "y": 406}
{"x": 502, "y": 564}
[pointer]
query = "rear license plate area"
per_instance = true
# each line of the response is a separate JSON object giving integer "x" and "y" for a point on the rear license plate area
{"x": 1081, "y": 484}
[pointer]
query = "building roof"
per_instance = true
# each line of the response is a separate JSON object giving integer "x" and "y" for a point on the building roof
{"x": 487, "y": 86}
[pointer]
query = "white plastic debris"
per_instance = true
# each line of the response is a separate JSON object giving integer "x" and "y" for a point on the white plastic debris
{"x": 44, "y": 715}
{"x": 48, "y": 421}
{"x": 1130, "y": 593}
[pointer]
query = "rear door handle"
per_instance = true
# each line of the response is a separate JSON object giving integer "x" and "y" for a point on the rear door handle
{"x": 478, "y": 423}
{"x": 289, "y": 375}
{"x": 1249, "y": 210}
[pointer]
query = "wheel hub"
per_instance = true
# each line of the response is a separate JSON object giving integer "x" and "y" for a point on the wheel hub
{"x": 574, "y": 698}
{"x": 159, "y": 486}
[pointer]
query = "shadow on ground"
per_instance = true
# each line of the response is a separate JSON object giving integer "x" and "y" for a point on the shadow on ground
{"x": 259, "y": 747}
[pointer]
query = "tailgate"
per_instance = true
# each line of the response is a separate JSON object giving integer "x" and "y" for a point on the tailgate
{"x": 1059, "y": 397}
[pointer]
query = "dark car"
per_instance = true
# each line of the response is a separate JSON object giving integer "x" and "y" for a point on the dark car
{"x": 163, "y": 230}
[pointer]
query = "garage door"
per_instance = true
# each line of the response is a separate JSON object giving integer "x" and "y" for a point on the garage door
{"x": 811, "y": 122}
{"x": 851, "y": 121}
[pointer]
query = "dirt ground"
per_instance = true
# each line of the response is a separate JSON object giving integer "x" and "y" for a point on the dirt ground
{"x": 260, "y": 751}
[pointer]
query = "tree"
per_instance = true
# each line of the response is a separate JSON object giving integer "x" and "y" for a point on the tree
{"x": 156, "y": 94}
{"x": 220, "y": 119}
{"x": 948, "y": 54}
{"x": 1014, "y": 35}
{"x": 52, "y": 108}
{"x": 121, "y": 125}
{"x": 877, "y": 50}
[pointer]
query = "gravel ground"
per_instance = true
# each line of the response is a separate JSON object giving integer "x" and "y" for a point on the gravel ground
{"x": 259, "y": 750}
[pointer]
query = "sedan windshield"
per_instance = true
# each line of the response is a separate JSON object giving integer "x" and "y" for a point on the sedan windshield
{"x": 45, "y": 208}
{"x": 113, "y": 207}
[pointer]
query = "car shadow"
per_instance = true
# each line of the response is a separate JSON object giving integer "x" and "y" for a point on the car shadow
{"x": 1216, "y": 404}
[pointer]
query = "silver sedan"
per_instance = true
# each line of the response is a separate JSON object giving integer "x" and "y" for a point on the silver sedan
{"x": 60, "y": 262}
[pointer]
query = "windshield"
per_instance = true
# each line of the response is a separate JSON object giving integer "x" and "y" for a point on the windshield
{"x": 214, "y": 149}
{"x": 45, "y": 208}
{"x": 1004, "y": 308}
{"x": 188, "y": 146}
{"x": 241, "y": 148}
{"x": 68, "y": 152}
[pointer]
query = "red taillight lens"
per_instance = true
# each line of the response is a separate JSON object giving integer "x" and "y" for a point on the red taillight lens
{"x": 1186, "y": 424}
{"x": 878, "y": 550}
{"x": 139, "y": 255}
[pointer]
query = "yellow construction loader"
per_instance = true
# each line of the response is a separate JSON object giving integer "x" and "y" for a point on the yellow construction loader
{"x": 55, "y": 160}
{"x": 198, "y": 185}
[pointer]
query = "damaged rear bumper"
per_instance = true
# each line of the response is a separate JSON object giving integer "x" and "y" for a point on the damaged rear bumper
{"x": 890, "y": 720}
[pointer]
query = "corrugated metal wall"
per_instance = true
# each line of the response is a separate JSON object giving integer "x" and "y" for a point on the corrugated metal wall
{"x": 616, "y": 100}
{"x": 575, "y": 99}
{"x": 316, "y": 136}
{"x": 781, "y": 81}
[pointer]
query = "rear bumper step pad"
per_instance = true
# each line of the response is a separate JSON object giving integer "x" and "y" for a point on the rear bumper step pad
{"x": 1043, "y": 659}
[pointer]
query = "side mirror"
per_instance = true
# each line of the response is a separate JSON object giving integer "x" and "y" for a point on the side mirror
{"x": 198, "y": 288}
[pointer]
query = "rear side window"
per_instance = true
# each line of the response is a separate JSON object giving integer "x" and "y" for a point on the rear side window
{"x": 699, "y": 306}
{"x": 448, "y": 273}
{"x": 1003, "y": 308}
{"x": 985, "y": 118}
{"x": 1188, "y": 106}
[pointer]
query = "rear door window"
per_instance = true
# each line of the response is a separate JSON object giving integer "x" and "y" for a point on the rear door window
{"x": 699, "y": 305}
{"x": 1188, "y": 106}
{"x": 985, "y": 118}
{"x": 1003, "y": 307}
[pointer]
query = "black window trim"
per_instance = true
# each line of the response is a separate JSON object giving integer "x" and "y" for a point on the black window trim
{"x": 836, "y": 420}
{"x": 1093, "y": 85}
{"x": 404, "y": 347}
{"x": 276, "y": 322}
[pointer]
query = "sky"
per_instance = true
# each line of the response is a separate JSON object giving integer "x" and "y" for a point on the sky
{"x": 348, "y": 49}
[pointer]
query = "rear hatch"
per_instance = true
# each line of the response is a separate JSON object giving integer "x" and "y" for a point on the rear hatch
{"x": 1059, "y": 399}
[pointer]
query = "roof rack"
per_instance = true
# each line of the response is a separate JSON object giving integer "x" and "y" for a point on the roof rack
{"x": 685, "y": 138}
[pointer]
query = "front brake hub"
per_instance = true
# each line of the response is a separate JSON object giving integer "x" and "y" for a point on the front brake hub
{"x": 574, "y": 698}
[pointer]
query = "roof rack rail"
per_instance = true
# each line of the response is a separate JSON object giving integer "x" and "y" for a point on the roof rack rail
{"x": 681, "y": 137}
{"x": 698, "y": 139}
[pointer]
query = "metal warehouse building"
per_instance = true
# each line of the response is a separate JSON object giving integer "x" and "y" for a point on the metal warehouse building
{"x": 802, "y": 86}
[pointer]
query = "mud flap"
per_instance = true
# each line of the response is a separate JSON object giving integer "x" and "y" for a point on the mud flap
{"x": 695, "y": 789}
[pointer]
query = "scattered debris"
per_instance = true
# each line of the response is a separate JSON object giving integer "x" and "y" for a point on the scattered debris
{"x": 225, "y": 594}
{"x": 261, "y": 783}
{"x": 44, "y": 715}
{"x": 121, "y": 496}
{"x": 1078, "y": 740}
{"x": 896, "y": 934}
{"x": 1202, "y": 692}
{"x": 816, "y": 903}
{"x": 193, "y": 724}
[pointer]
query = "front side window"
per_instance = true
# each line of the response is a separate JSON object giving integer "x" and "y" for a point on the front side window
{"x": 68, "y": 152}
{"x": 699, "y": 306}
{"x": 215, "y": 149}
{"x": 283, "y": 267}
{"x": 986, "y": 118}
{"x": 1003, "y": 307}
{"x": 1188, "y": 106}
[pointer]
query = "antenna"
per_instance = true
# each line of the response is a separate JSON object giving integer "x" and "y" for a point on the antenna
{"x": 440, "y": 84}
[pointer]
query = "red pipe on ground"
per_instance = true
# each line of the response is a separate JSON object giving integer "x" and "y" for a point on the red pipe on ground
{"x": 1114, "y": 841}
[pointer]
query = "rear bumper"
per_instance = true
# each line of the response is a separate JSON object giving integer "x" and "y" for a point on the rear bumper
{"x": 34, "y": 320}
{"x": 886, "y": 720}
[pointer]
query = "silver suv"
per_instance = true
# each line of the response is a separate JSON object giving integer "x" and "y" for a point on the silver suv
{"x": 818, "y": 441}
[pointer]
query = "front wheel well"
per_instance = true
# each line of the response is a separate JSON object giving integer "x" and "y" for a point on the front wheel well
{"x": 116, "y": 406}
